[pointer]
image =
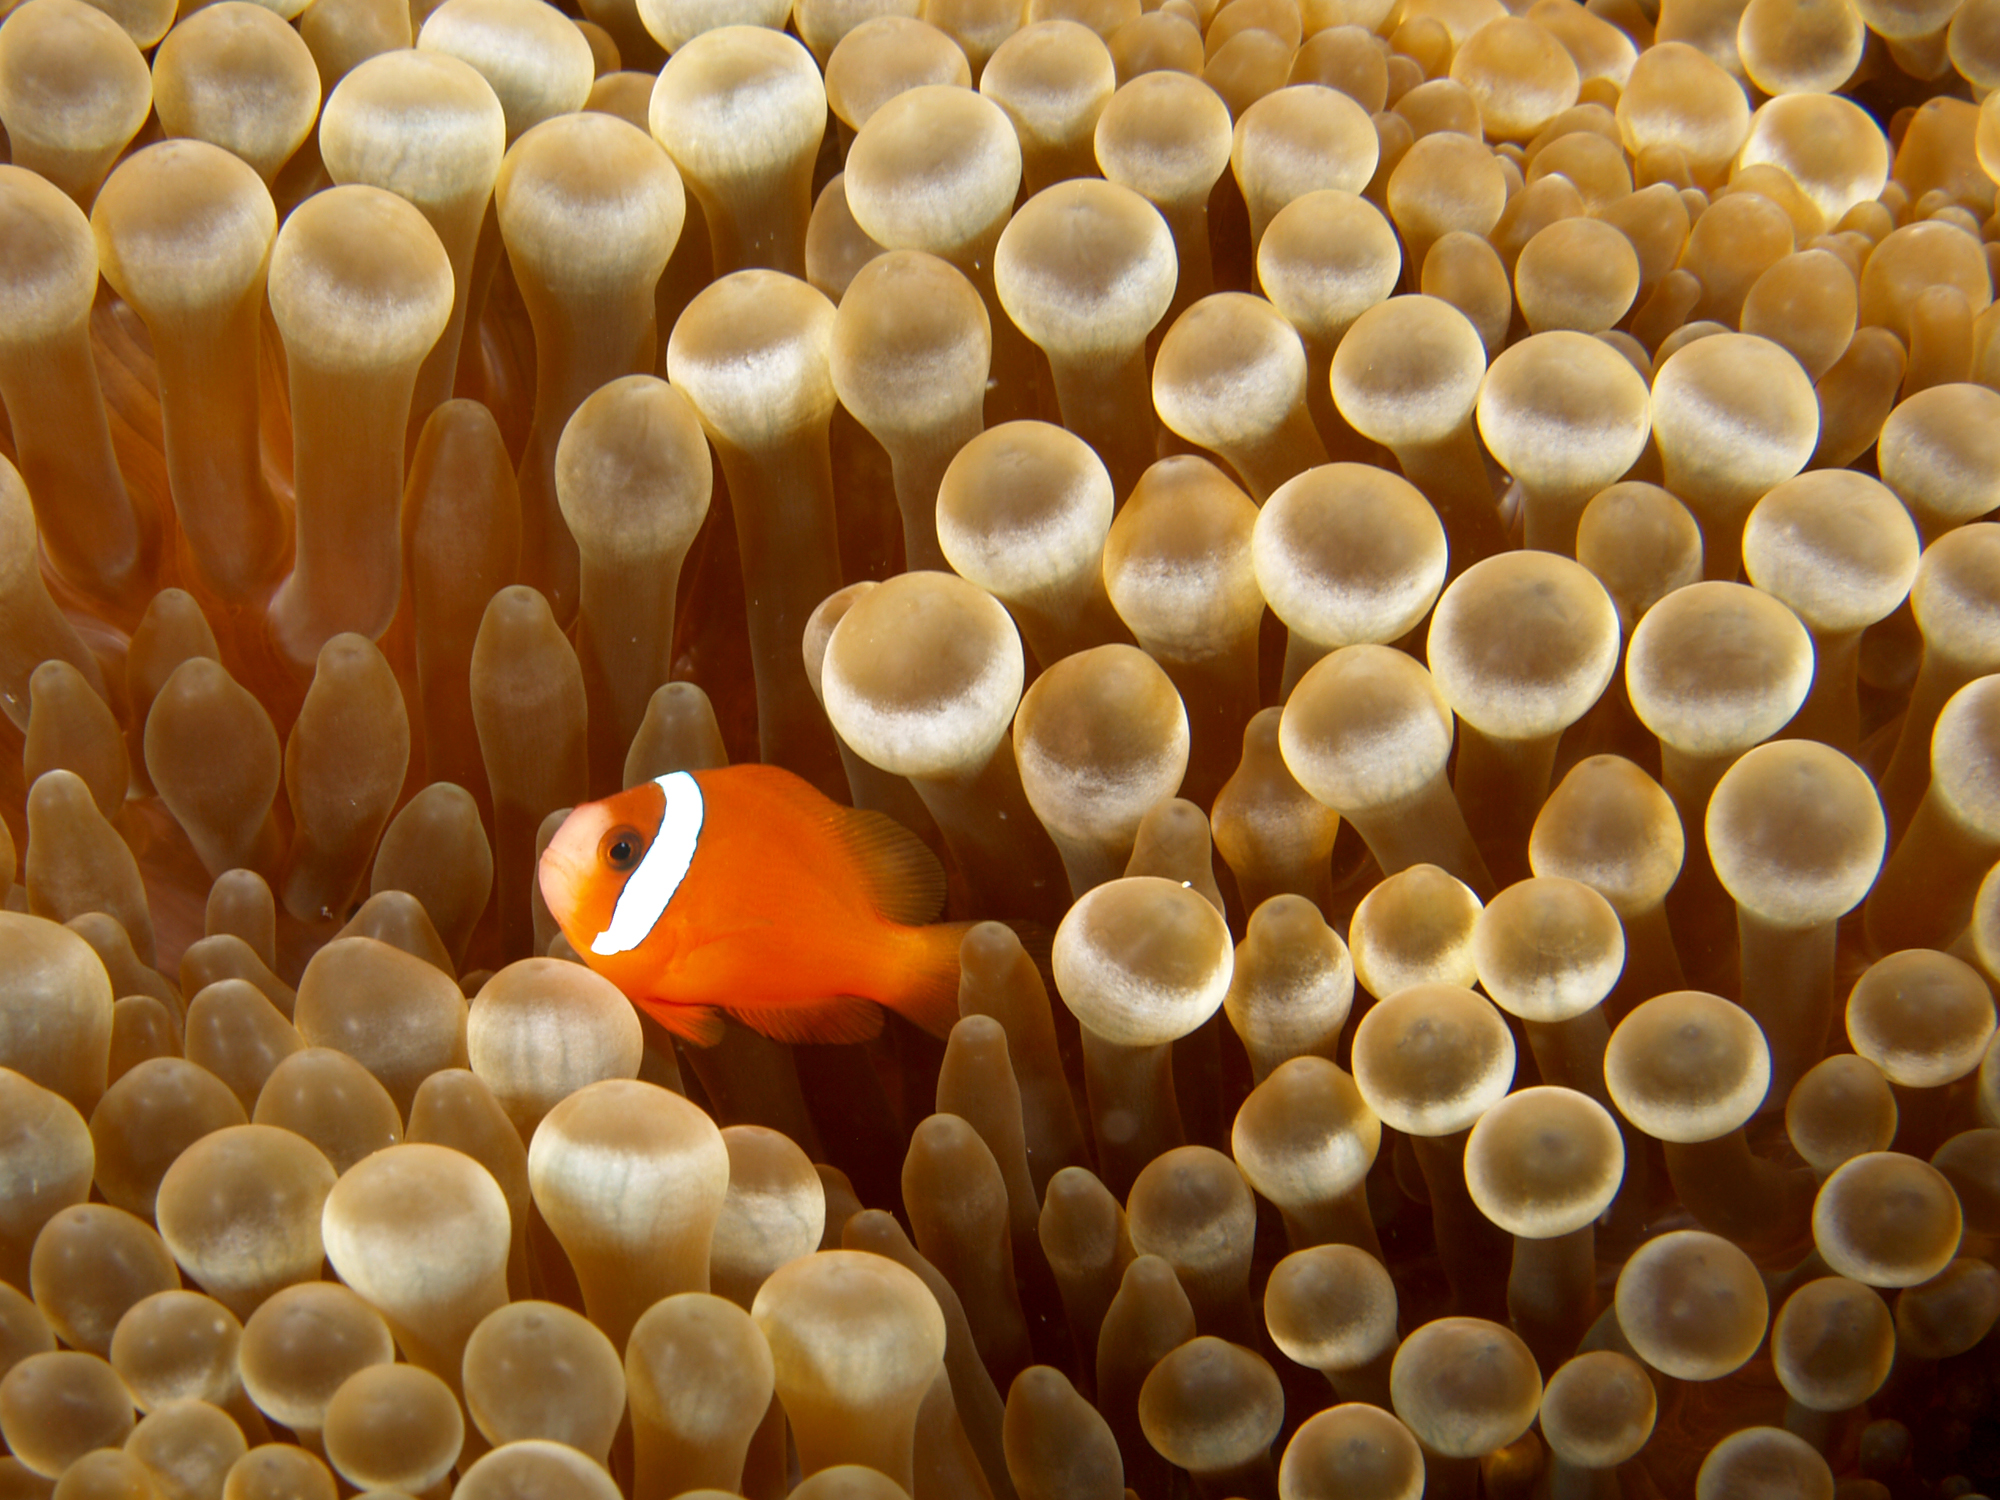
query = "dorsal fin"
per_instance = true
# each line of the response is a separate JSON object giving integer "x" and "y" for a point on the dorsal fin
{"x": 903, "y": 879}
{"x": 900, "y": 876}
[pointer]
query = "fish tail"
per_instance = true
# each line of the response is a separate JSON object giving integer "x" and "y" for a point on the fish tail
{"x": 928, "y": 990}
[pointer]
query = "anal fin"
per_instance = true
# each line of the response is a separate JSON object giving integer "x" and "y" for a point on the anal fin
{"x": 839, "y": 1018}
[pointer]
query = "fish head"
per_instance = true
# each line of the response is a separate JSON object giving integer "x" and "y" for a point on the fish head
{"x": 586, "y": 866}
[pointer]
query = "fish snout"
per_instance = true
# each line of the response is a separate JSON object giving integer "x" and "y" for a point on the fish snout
{"x": 569, "y": 866}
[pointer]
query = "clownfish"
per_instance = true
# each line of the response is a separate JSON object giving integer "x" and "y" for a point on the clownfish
{"x": 748, "y": 891}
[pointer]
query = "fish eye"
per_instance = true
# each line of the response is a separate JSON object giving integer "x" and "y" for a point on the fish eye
{"x": 622, "y": 848}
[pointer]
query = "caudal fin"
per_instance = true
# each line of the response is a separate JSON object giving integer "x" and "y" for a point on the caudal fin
{"x": 928, "y": 994}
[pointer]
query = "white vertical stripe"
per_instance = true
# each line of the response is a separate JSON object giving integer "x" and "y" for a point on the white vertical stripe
{"x": 660, "y": 871}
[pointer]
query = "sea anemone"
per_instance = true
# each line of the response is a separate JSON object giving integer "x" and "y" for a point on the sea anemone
{"x": 1424, "y": 568}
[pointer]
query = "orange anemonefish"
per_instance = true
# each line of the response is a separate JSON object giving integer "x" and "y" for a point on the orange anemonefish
{"x": 747, "y": 890}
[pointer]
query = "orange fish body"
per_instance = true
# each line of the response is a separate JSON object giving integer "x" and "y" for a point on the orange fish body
{"x": 746, "y": 890}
